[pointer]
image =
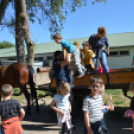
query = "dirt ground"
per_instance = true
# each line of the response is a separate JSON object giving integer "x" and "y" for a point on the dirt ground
{"x": 45, "y": 122}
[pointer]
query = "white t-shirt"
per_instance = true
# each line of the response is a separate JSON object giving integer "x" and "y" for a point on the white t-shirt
{"x": 62, "y": 101}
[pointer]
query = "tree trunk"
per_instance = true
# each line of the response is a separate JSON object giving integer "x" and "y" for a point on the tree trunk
{"x": 29, "y": 43}
{"x": 20, "y": 48}
{"x": 3, "y": 6}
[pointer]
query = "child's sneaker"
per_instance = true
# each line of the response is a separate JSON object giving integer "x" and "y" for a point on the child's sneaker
{"x": 80, "y": 74}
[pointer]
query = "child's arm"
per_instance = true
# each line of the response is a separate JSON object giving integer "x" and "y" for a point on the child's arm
{"x": 109, "y": 99}
{"x": 92, "y": 54}
{"x": 22, "y": 114}
{"x": 69, "y": 106}
{"x": 52, "y": 105}
{"x": 86, "y": 119}
{"x": 66, "y": 61}
{"x": 109, "y": 107}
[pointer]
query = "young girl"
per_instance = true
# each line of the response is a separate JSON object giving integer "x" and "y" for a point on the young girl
{"x": 105, "y": 110}
{"x": 130, "y": 112}
{"x": 63, "y": 107}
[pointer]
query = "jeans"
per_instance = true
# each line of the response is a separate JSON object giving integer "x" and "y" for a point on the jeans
{"x": 103, "y": 61}
{"x": 64, "y": 128}
{"x": 96, "y": 128}
{"x": 103, "y": 125}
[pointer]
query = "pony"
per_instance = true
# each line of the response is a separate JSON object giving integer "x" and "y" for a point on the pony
{"x": 19, "y": 75}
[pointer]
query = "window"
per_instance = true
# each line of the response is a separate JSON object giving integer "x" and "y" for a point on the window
{"x": 40, "y": 58}
{"x": 124, "y": 53}
{"x": 49, "y": 58}
{"x": 35, "y": 58}
{"x": 114, "y": 53}
{"x": 119, "y": 53}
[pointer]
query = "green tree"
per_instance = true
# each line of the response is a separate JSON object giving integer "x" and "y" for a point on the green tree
{"x": 52, "y": 12}
{"x": 6, "y": 44}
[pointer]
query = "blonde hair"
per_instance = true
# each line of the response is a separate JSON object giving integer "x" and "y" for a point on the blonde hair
{"x": 77, "y": 44}
{"x": 102, "y": 30}
{"x": 6, "y": 90}
{"x": 131, "y": 86}
{"x": 57, "y": 36}
{"x": 65, "y": 86}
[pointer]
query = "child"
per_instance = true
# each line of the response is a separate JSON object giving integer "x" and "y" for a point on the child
{"x": 63, "y": 107}
{"x": 72, "y": 50}
{"x": 9, "y": 111}
{"x": 111, "y": 107}
{"x": 130, "y": 112}
{"x": 88, "y": 57}
{"x": 92, "y": 107}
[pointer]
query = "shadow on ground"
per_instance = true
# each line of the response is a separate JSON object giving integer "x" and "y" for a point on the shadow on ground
{"x": 46, "y": 121}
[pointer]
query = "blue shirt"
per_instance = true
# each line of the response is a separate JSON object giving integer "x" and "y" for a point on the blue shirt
{"x": 62, "y": 101}
{"x": 68, "y": 44}
{"x": 98, "y": 43}
{"x": 62, "y": 73}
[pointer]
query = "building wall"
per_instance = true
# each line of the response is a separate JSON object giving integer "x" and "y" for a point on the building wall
{"x": 121, "y": 61}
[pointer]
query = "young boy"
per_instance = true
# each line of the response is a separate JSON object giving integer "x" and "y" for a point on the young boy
{"x": 88, "y": 57}
{"x": 92, "y": 107}
{"x": 63, "y": 107}
{"x": 9, "y": 111}
{"x": 72, "y": 50}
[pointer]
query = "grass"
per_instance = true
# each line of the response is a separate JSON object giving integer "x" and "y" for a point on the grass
{"x": 119, "y": 100}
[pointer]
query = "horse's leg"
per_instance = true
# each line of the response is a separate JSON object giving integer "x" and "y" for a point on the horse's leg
{"x": 34, "y": 95}
{"x": 27, "y": 96}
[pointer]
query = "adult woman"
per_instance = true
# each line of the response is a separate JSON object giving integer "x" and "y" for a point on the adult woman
{"x": 99, "y": 44}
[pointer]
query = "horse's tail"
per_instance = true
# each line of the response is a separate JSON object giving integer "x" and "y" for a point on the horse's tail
{"x": 31, "y": 83}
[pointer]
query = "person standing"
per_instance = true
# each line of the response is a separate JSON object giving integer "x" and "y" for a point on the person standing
{"x": 99, "y": 44}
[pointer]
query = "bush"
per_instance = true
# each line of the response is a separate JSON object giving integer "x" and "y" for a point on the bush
{"x": 6, "y": 44}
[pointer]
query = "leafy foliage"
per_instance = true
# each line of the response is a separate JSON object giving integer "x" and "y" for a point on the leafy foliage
{"x": 6, "y": 44}
{"x": 52, "y": 12}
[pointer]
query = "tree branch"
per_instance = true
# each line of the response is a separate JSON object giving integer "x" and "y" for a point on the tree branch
{"x": 3, "y": 6}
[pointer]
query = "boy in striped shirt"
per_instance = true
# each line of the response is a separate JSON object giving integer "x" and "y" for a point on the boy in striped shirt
{"x": 92, "y": 107}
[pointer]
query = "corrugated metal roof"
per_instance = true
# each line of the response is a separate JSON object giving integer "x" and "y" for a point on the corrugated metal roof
{"x": 115, "y": 40}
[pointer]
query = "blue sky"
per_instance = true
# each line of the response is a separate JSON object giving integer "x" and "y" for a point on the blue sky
{"x": 116, "y": 15}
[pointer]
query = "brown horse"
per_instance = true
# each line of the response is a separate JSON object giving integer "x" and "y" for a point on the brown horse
{"x": 18, "y": 75}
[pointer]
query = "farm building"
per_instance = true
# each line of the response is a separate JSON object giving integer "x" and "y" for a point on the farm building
{"x": 121, "y": 50}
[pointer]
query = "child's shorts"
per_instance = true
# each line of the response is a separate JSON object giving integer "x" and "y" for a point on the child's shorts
{"x": 96, "y": 128}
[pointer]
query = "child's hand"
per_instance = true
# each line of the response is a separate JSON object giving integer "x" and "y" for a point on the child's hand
{"x": 90, "y": 55}
{"x": 60, "y": 112}
{"x": 111, "y": 107}
{"x": 110, "y": 98}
